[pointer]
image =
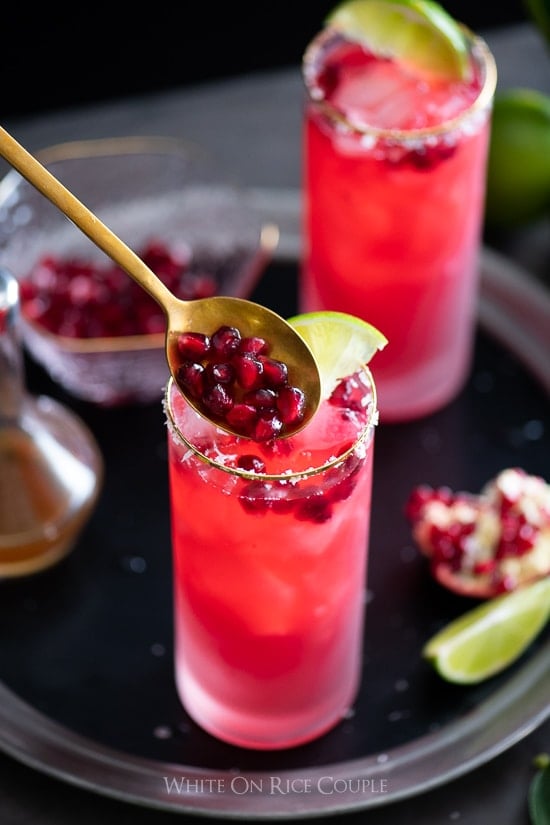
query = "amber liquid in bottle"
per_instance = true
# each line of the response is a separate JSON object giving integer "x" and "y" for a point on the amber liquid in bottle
{"x": 50, "y": 465}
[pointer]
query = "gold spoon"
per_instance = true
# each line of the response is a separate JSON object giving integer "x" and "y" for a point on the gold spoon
{"x": 200, "y": 315}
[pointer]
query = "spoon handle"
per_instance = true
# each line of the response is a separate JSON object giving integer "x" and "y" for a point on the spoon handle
{"x": 37, "y": 175}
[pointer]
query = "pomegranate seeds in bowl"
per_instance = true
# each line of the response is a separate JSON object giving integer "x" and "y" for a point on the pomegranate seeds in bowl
{"x": 79, "y": 298}
{"x": 487, "y": 544}
{"x": 85, "y": 321}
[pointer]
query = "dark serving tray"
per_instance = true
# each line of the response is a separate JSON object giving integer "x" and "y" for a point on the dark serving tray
{"x": 86, "y": 684}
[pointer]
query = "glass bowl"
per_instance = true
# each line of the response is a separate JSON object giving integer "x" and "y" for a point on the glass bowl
{"x": 165, "y": 199}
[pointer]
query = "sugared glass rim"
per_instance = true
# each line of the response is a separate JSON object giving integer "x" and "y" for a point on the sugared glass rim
{"x": 370, "y": 423}
{"x": 479, "y": 51}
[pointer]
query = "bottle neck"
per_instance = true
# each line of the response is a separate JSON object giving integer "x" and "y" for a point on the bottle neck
{"x": 11, "y": 353}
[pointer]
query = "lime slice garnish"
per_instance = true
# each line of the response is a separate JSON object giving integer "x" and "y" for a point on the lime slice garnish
{"x": 518, "y": 173}
{"x": 341, "y": 344}
{"x": 417, "y": 32}
{"x": 487, "y": 639}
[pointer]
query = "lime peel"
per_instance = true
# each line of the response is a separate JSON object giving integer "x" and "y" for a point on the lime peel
{"x": 518, "y": 171}
{"x": 341, "y": 344}
{"x": 417, "y": 32}
{"x": 539, "y": 797}
{"x": 489, "y": 638}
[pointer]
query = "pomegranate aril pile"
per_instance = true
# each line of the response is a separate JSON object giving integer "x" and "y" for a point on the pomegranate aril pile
{"x": 314, "y": 503}
{"x": 233, "y": 381}
{"x": 486, "y": 544}
{"x": 75, "y": 298}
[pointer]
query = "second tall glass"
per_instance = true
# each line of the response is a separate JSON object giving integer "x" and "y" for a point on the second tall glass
{"x": 394, "y": 187}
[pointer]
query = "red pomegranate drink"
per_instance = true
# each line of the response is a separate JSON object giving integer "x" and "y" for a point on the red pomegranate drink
{"x": 394, "y": 183}
{"x": 270, "y": 547}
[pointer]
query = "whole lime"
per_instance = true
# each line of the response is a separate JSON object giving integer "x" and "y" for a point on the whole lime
{"x": 539, "y": 11}
{"x": 518, "y": 173}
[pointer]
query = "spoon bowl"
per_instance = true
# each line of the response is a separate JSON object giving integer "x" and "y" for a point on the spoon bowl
{"x": 203, "y": 315}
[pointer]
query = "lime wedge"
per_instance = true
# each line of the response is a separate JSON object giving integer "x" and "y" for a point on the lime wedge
{"x": 417, "y": 32}
{"x": 341, "y": 344}
{"x": 487, "y": 639}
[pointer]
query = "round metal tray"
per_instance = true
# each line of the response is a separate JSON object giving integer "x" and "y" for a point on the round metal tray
{"x": 86, "y": 683}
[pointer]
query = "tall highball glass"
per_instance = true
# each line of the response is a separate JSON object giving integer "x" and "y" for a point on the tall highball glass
{"x": 394, "y": 189}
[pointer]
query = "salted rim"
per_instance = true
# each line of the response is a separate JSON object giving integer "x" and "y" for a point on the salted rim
{"x": 371, "y": 422}
{"x": 479, "y": 51}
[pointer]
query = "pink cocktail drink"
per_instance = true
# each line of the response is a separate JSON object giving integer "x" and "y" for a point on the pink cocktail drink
{"x": 394, "y": 187}
{"x": 270, "y": 552}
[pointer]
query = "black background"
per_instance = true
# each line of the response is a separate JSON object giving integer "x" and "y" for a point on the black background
{"x": 66, "y": 55}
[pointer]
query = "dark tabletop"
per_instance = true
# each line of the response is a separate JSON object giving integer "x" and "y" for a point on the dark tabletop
{"x": 252, "y": 126}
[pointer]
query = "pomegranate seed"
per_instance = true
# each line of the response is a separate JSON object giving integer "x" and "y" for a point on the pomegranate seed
{"x": 444, "y": 495}
{"x": 315, "y": 507}
{"x": 526, "y": 538}
{"x": 262, "y": 399}
{"x": 217, "y": 400}
{"x": 115, "y": 280}
{"x": 418, "y": 498}
{"x": 267, "y": 428}
{"x": 192, "y": 377}
{"x": 222, "y": 373}
{"x": 248, "y": 370}
{"x": 444, "y": 541}
{"x": 251, "y": 463}
{"x": 253, "y": 345}
{"x": 482, "y": 568}
{"x": 225, "y": 341}
{"x": 275, "y": 372}
{"x": 517, "y": 536}
{"x": 38, "y": 310}
{"x": 193, "y": 346}
{"x": 82, "y": 290}
{"x": 345, "y": 479}
{"x": 428, "y": 158}
{"x": 278, "y": 447}
{"x": 349, "y": 395}
{"x": 242, "y": 417}
{"x": 291, "y": 403}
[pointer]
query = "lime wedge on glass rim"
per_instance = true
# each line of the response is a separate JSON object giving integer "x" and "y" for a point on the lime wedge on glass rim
{"x": 419, "y": 33}
{"x": 341, "y": 344}
{"x": 491, "y": 636}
